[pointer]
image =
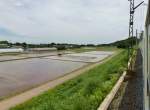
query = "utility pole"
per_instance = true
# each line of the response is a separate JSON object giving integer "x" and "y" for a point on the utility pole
{"x": 136, "y": 38}
{"x": 131, "y": 23}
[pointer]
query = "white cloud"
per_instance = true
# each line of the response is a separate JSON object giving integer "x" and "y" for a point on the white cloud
{"x": 77, "y": 21}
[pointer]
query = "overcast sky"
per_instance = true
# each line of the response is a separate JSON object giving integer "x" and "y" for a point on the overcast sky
{"x": 66, "y": 21}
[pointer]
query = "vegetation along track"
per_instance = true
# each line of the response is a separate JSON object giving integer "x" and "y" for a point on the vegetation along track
{"x": 84, "y": 92}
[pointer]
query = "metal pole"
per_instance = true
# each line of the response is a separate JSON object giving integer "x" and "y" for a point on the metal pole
{"x": 131, "y": 25}
{"x": 136, "y": 38}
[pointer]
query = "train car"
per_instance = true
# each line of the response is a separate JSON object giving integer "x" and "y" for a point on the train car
{"x": 145, "y": 50}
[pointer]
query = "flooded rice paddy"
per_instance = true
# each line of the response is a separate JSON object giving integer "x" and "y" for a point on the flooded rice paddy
{"x": 87, "y": 57}
{"x": 20, "y": 75}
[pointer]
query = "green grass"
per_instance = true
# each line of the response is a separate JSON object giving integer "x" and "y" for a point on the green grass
{"x": 84, "y": 92}
{"x": 10, "y": 53}
{"x": 86, "y": 49}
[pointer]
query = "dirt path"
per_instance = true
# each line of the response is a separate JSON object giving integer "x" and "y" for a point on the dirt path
{"x": 18, "y": 99}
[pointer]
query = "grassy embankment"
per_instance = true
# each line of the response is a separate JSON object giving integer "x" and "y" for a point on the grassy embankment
{"x": 87, "y": 49}
{"x": 84, "y": 92}
{"x": 12, "y": 53}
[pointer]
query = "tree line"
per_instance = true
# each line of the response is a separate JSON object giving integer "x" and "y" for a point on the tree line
{"x": 62, "y": 46}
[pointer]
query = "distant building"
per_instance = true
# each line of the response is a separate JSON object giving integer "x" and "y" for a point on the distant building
{"x": 16, "y": 47}
{"x": 11, "y": 50}
{"x": 41, "y": 49}
{"x": 4, "y": 46}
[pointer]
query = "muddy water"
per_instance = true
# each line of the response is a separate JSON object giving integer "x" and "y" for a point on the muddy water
{"x": 19, "y": 75}
{"x": 88, "y": 57}
{"x": 16, "y": 76}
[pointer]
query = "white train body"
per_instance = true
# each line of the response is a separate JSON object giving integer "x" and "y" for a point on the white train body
{"x": 145, "y": 50}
